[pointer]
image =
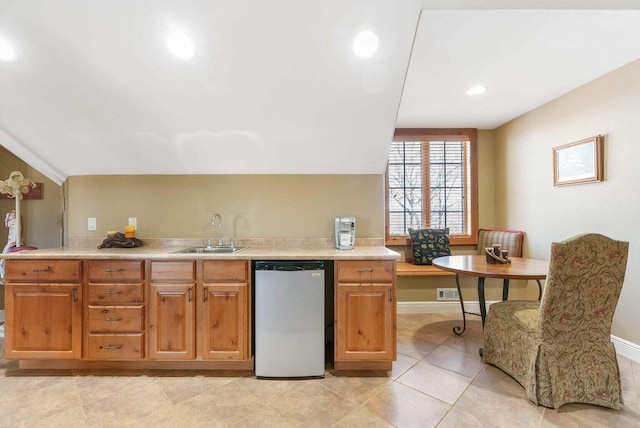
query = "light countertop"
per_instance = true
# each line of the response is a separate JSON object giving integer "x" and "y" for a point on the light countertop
{"x": 167, "y": 253}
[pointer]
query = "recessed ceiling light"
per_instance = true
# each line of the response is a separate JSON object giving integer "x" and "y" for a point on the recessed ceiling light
{"x": 7, "y": 52}
{"x": 365, "y": 44}
{"x": 181, "y": 46}
{"x": 477, "y": 90}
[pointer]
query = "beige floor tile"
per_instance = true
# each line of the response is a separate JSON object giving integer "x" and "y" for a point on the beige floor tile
{"x": 360, "y": 417}
{"x": 138, "y": 402}
{"x": 402, "y": 406}
{"x": 401, "y": 365}
{"x": 455, "y": 360}
{"x": 414, "y": 347}
{"x": 589, "y": 416}
{"x": 356, "y": 386}
{"x": 465, "y": 343}
{"x": 436, "y": 382}
{"x": 458, "y": 419}
{"x": 312, "y": 405}
{"x": 227, "y": 404}
{"x": 499, "y": 407}
{"x": 494, "y": 378}
{"x": 73, "y": 417}
{"x": 32, "y": 404}
{"x": 184, "y": 385}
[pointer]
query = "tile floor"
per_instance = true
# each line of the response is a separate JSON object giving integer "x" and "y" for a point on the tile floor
{"x": 438, "y": 380}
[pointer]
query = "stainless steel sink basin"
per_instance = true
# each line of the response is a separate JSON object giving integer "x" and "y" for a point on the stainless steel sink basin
{"x": 211, "y": 250}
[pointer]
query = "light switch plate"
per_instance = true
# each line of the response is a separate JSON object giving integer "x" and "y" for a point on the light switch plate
{"x": 133, "y": 222}
{"x": 91, "y": 223}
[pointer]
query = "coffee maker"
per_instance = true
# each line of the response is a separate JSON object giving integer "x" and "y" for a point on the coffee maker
{"x": 345, "y": 233}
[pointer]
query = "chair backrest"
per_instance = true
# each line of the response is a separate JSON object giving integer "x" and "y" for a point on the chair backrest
{"x": 586, "y": 273}
{"x": 510, "y": 240}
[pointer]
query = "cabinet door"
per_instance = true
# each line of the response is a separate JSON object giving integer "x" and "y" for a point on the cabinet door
{"x": 172, "y": 322}
{"x": 365, "y": 322}
{"x": 43, "y": 321}
{"x": 224, "y": 326}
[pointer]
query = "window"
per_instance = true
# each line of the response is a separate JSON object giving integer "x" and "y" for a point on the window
{"x": 431, "y": 181}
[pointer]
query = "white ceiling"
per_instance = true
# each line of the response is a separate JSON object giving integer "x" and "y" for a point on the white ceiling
{"x": 275, "y": 86}
{"x": 525, "y": 57}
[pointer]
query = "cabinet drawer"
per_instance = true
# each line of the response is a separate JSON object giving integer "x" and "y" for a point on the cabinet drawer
{"x": 173, "y": 271}
{"x": 115, "y": 346}
{"x": 44, "y": 270}
{"x": 116, "y": 318}
{"x": 115, "y": 271}
{"x": 225, "y": 270}
{"x": 115, "y": 293}
{"x": 365, "y": 271}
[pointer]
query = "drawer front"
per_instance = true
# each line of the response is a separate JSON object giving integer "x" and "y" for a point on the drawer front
{"x": 115, "y": 293}
{"x": 365, "y": 271}
{"x": 225, "y": 270}
{"x": 173, "y": 271}
{"x": 116, "y": 318}
{"x": 115, "y": 346}
{"x": 44, "y": 270}
{"x": 115, "y": 271}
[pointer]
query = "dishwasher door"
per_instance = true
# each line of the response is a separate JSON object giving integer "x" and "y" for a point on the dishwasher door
{"x": 289, "y": 319}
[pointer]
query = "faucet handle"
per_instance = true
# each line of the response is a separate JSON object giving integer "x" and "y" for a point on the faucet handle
{"x": 232, "y": 243}
{"x": 208, "y": 243}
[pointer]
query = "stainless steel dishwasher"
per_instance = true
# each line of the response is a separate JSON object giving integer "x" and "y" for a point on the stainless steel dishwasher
{"x": 289, "y": 318}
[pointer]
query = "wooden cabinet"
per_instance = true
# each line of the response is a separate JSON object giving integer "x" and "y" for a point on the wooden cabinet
{"x": 115, "y": 310}
{"x": 172, "y": 310}
{"x": 365, "y": 313}
{"x": 225, "y": 316}
{"x": 43, "y": 318}
{"x": 213, "y": 311}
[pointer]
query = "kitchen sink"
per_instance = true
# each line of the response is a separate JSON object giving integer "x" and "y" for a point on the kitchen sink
{"x": 210, "y": 250}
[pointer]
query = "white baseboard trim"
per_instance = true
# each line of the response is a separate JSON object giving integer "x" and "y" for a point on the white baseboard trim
{"x": 451, "y": 307}
{"x": 625, "y": 348}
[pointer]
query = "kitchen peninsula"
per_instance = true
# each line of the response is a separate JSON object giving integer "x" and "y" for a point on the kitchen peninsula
{"x": 150, "y": 307}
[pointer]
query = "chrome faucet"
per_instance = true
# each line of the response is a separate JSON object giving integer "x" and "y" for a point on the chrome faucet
{"x": 213, "y": 224}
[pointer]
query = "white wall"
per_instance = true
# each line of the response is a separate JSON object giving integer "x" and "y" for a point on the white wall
{"x": 526, "y": 198}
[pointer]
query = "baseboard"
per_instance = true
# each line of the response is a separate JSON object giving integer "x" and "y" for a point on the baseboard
{"x": 452, "y": 307}
{"x": 624, "y": 348}
{"x": 627, "y": 349}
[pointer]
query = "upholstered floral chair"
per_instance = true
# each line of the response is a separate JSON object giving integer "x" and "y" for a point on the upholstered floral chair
{"x": 559, "y": 348}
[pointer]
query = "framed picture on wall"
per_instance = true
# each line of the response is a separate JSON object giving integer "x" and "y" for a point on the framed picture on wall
{"x": 579, "y": 162}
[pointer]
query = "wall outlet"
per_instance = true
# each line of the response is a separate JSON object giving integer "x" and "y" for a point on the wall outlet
{"x": 133, "y": 222}
{"x": 448, "y": 294}
{"x": 91, "y": 223}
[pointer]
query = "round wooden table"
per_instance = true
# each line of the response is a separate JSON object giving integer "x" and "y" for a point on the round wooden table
{"x": 476, "y": 265}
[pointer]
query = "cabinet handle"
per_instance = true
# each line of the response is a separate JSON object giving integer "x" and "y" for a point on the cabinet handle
{"x": 365, "y": 270}
{"x": 113, "y": 319}
{"x": 113, "y": 270}
{"x": 47, "y": 269}
{"x": 110, "y": 292}
{"x": 74, "y": 294}
{"x": 111, "y": 347}
{"x": 390, "y": 299}
{"x": 189, "y": 294}
{"x": 204, "y": 294}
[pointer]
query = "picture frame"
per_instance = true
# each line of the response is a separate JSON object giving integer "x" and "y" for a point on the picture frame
{"x": 579, "y": 162}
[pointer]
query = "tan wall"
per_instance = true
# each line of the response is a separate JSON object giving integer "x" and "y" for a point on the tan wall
{"x": 252, "y": 206}
{"x": 526, "y": 198}
{"x": 42, "y": 218}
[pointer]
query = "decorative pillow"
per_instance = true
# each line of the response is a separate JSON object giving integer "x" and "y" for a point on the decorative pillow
{"x": 428, "y": 244}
